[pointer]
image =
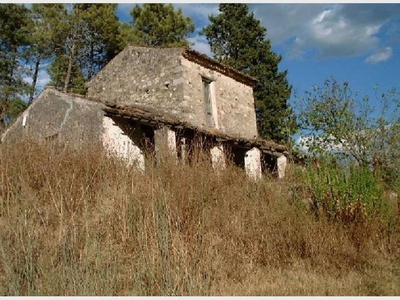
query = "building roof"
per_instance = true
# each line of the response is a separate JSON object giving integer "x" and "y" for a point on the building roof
{"x": 155, "y": 118}
{"x": 213, "y": 64}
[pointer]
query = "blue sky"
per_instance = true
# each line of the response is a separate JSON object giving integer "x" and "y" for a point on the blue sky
{"x": 357, "y": 43}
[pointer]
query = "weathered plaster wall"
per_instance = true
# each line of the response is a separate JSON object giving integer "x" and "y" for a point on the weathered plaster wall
{"x": 252, "y": 163}
{"x": 148, "y": 77}
{"x": 218, "y": 157}
{"x": 281, "y": 164}
{"x": 122, "y": 139}
{"x": 165, "y": 143}
{"x": 58, "y": 116}
{"x": 234, "y": 102}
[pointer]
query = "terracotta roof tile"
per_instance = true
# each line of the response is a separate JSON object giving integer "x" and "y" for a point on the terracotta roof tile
{"x": 155, "y": 118}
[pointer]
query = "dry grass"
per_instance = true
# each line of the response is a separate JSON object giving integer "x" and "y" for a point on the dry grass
{"x": 79, "y": 223}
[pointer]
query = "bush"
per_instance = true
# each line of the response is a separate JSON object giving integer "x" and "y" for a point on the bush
{"x": 345, "y": 194}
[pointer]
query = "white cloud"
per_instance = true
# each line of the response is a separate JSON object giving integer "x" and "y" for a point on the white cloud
{"x": 198, "y": 11}
{"x": 329, "y": 30}
{"x": 43, "y": 79}
{"x": 303, "y": 142}
{"x": 325, "y": 30}
{"x": 200, "y": 44}
{"x": 297, "y": 48}
{"x": 334, "y": 35}
{"x": 380, "y": 56}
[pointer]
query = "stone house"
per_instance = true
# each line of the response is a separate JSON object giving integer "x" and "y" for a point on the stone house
{"x": 157, "y": 98}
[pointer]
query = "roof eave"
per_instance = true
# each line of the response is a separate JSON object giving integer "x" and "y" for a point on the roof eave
{"x": 153, "y": 118}
{"x": 213, "y": 64}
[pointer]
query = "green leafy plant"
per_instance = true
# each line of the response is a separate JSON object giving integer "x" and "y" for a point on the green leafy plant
{"x": 338, "y": 121}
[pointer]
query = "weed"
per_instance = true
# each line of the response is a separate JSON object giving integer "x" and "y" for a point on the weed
{"x": 81, "y": 223}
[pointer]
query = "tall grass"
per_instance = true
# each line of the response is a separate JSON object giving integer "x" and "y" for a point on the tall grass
{"x": 346, "y": 194}
{"x": 79, "y": 223}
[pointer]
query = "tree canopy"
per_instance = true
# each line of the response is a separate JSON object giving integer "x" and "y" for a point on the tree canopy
{"x": 237, "y": 39}
{"x": 14, "y": 39}
{"x": 73, "y": 42}
{"x": 86, "y": 41}
{"x": 76, "y": 40}
{"x": 338, "y": 121}
{"x": 157, "y": 25}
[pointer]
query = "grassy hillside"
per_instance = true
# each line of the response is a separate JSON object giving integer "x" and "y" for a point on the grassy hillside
{"x": 79, "y": 223}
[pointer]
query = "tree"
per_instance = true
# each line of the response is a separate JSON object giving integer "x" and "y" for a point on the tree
{"x": 237, "y": 39}
{"x": 14, "y": 24}
{"x": 157, "y": 25}
{"x": 86, "y": 41}
{"x": 67, "y": 23}
{"x": 42, "y": 38}
{"x": 336, "y": 120}
{"x": 101, "y": 36}
{"x": 58, "y": 72}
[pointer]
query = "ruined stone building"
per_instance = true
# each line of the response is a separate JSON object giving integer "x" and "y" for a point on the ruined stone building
{"x": 157, "y": 98}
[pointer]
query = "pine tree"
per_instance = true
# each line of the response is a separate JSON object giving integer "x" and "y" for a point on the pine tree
{"x": 42, "y": 39}
{"x": 86, "y": 41}
{"x": 66, "y": 23}
{"x": 58, "y": 72}
{"x": 157, "y": 25}
{"x": 101, "y": 36}
{"x": 237, "y": 39}
{"x": 14, "y": 24}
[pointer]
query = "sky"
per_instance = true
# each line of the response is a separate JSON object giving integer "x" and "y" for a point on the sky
{"x": 354, "y": 43}
{"x": 357, "y": 43}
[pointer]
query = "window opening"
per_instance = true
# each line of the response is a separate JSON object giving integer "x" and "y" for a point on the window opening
{"x": 208, "y": 102}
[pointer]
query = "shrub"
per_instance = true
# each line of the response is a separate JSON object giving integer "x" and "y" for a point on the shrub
{"x": 345, "y": 193}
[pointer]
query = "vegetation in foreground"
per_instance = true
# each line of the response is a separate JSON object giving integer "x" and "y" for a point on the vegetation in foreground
{"x": 79, "y": 223}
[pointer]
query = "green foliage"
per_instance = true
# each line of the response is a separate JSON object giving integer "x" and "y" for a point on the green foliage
{"x": 238, "y": 40}
{"x": 14, "y": 33}
{"x": 16, "y": 107}
{"x": 127, "y": 35}
{"x": 58, "y": 72}
{"x": 158, "y": 25}
{"x": 336, "y": 119}
{"x": 42, "y": 39}
{"x": 86, "y": 37}
{"x": 101, "y": 43}
{"x": 344, "y": 194}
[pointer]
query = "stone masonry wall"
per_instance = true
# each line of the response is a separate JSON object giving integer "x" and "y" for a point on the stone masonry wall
{"x": 234, "y": 102}
{"x": 58, "y": 116}
{"x": 147, "y": 77}
{"x": 162, "y": 79}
